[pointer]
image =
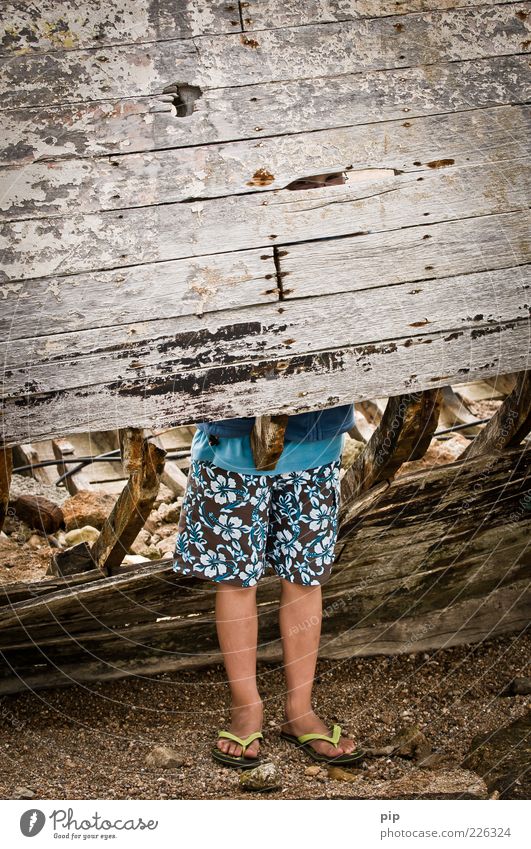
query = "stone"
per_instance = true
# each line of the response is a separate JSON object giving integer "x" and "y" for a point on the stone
{"x": 337, "y": 773}
{"x": 518, "y": 687}
{"x": 85, "y": 534}
{"x": 410, "y": 742}
{"x": 170, "y": 512}
{"x": 502, "y": 757}
{"x": 312, "y": 770}
{"x": 23, "y": 793}
{"x": 132, "y": 559}
{"x": 261, "y": 779}
{"x": 164, "y": 757}
{"x": 87, "y": 507}
{"x": 35, "y": 541}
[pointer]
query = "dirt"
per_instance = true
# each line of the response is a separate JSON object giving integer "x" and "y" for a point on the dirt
{"x": 89, "y": 742}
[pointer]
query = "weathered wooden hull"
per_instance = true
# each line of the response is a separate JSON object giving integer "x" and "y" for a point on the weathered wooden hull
{"x": 441, "y": 558}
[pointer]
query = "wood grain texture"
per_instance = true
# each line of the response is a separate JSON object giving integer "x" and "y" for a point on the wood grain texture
{"x": 509, "y": 425}
{"x": 483, "y": 136}
{"x": 177, "y": 345}
{"x": 223, "y": 282}
{"x": 268, "y": 14}
{"x": 126, "y": 125}
{"x": 270, "y": 387}
{"x": 62, "y": 25}
{"x": 79, "y": 243}
{"x": 282, "y": 54}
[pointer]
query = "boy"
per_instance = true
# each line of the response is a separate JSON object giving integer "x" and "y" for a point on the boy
{"x": 235, "y": 522}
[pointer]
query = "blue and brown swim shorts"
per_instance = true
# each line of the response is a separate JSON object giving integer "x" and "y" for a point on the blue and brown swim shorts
{"x": 234, "y": 527}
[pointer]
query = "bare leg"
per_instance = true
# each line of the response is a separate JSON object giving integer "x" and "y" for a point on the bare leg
{"x": 237, "y": 627}
{"x": 300, "y": 627}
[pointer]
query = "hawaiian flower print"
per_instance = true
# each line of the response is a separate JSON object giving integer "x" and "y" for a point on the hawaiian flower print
{"x": 235, "y": 527}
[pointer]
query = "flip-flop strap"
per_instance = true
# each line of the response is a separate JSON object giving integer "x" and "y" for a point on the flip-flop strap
{"x": 243, "y": 742}
{"x": 334, "y": 739}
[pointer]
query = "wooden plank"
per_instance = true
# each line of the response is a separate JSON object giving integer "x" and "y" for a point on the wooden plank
{"x": 269, "y": 14}
{"x": 415, "y": 253}
{"x": 281, "y": 54}
{"x": 241, "y": 112}
{"x": 488, "y": 136}
{"x": 143, "y": 292}
{"x": 292, "y": 384}
{"x": 79, "y": 243}
{"x": 150, "y": 349}
{"x": 62, "y": 25}
{"x": 242, "y": 279}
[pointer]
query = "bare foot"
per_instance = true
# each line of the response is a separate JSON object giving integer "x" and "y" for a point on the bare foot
{"x": 309, "y": 723}
{"x": 244, "y": 721}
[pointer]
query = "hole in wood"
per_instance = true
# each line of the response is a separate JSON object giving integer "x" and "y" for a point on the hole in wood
{"x": 318, "y": 181}
{"x": 182, "y": 98}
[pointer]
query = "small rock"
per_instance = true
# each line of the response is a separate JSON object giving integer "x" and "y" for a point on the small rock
{"x": 518, "y": 687}
{"x": 164, "y": 757}
{"x": 170, "y": 512}
{"x": 87, "y": 507}
{"x": 410, "y": 742}
{"x": 131, "y": 559}
{"x": 261, "y": 778}
{"x": 501, "y": 756}
{"x": 312, "y": 770}
{"x": 85, "y": 534}
{"x": 336, "y": 773}
{"x": 35, "y": 541}
{"x": 23, "y": 793}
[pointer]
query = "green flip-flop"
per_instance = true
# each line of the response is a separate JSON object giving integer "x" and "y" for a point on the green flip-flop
{"x": 303, "y": 742}
{"x": 240, "y": 762}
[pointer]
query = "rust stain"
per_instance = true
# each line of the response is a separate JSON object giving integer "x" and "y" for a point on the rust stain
{"x": 262, "y": 177}
{"x": 398, "y": 27}
{"x": 521, "y": 15}
{"x": 440, "y": 163}
{"x": 249, "y": 42}
{"x": 420, "y": 323}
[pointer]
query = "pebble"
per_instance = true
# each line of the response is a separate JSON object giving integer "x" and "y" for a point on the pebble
{"x": 312, "y": 770}
{"x": 164, "y": 757}
{"x": 261, "y": 778}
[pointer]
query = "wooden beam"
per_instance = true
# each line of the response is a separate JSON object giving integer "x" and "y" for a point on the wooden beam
{"x": 267, "y": 440}
{"x": 510, "y": 423}
{"x": 278, "y": 54}
{"x": 77, "y": 481}
{"x": 144, "y": 461}
{"x": 263, "y": 386}
{"x": 404, "y": 434}
{"x": 6, "y": 468}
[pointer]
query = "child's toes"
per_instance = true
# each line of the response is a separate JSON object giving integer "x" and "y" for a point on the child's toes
{"x": 252, "y": 750}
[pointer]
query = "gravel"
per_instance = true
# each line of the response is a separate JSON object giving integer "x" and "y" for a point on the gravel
{"x": 92, "y": 741}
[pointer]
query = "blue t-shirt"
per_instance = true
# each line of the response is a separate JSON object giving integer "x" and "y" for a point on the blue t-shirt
{"x": 234, "y": 453}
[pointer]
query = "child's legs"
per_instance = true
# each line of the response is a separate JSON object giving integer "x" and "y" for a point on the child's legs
{"x": 300, "y": 627}
{"x": 237, "y": 627}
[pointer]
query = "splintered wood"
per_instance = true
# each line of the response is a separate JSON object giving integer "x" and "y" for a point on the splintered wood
{"x": 159, "y": 271}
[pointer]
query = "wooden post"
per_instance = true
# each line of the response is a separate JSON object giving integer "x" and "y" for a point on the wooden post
{"x": 404, "y": 434}
{"x": 144, "y": 462}
{"x": 509, "y": 425}
{"x": 6, "y": 467}
{"x": 267, "y": 440}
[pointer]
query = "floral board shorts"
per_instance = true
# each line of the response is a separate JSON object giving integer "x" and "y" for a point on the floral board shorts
{"x": 233, "y": 527}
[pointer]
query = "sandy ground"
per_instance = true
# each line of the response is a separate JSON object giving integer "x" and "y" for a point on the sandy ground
{"x": 92, "y": 741}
